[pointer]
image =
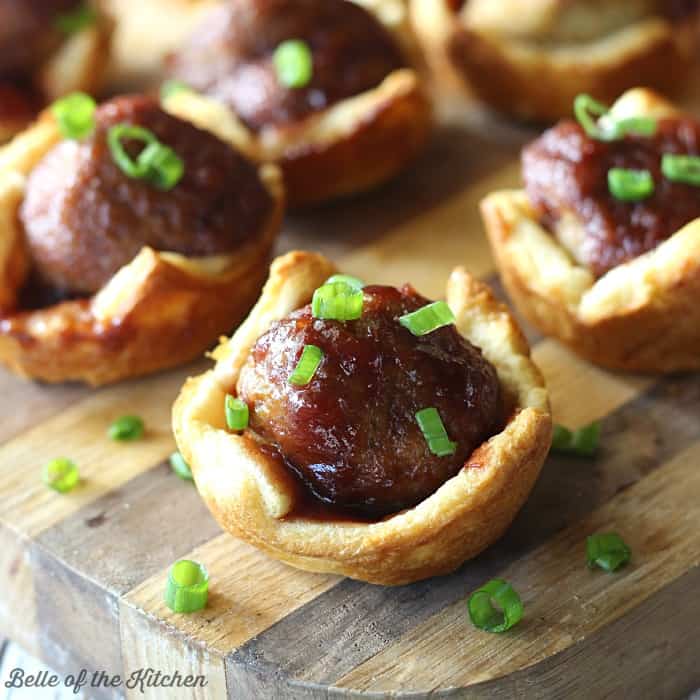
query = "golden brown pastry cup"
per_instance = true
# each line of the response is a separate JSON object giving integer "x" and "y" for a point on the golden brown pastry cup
{"x": 80, "y": 64}
{"x": 254, "y": 498}
{"x": 539, "y": 82}
{"x": 159, "y": 311}
{"x": 352, "y": 146}
{"x": 642, "y": 316}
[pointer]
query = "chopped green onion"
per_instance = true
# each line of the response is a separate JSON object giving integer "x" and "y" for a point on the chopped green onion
{"x": 172, "y": 87}
{"x": 434, "y": 432}
{"x": 607, "y": 551}
{"x": 639, "y": 126}
{"x": 236, "y": 413}
{"x": 685, "y": 169}
{"x": 294, "y": 63}
{"x": 337, "y": 301}
{"x": 180, "y": 466}
{"x": 81, "y": 18}
{"x": 309, "y": 362}
{"x": 588, "y": 111}
{"x": 351, "y": 281}
{"x": 157, "y": 163}
{"x": 582, "y": 442}
{"x": 165, "y": 167}
{"x": 428, "y": 319}
{"x": 630, "y": 185}
{"x": 126, "y": 429}
{"x": 597, "y": 122}
{"x": 495, "y": 607}
{"x": 75, "y": 115}
{"x": 188, "y": 587}
{"x": 61, "y": 475}
{"x": 561, "y": 438}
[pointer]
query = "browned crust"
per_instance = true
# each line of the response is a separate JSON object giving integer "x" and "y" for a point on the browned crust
{"x": 540, "y": 84}
{"x": 352, "y": 146}
{"x": 253, "y": 497}
{"x": 642, "y": 316}
{"x": 79, "y": 65}
{"x": 386, "y": 138}
{"x": 660, "y": 337}
{"x": 159, "y": 311}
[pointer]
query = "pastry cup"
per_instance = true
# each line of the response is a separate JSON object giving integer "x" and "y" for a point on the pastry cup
{"x": 537, "y": 80}
{"x": 352, "y": 146}
{"x": 80, "y": 64}
{"x": 160, "y": 310}
{"x": 641, "y": 316}
{"x": 254, "y": 497}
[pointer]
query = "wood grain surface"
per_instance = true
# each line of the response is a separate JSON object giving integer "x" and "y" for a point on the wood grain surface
{"x": 82, "y": 575}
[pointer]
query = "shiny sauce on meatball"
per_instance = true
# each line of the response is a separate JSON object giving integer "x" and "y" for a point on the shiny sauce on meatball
{"x": 566, "y": 178}
{"x": 351, "y": 434}
{"x": 84, "y": 218}
{"x": 230, "y": 56}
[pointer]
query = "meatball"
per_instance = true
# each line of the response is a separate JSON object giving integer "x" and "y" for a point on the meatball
{"x": 351, "y": 434}
{"x": 28, "y": 33}
{"x": 230, "y": 56}
{"x": 84, "y": 218}
{"x": 565, "y": 174}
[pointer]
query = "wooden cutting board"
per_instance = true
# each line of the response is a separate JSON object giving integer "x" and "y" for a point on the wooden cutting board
{"x": 82, "y": 575}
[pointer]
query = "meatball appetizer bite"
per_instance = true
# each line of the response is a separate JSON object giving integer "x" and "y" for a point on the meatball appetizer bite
{"x": 320, "y": 87}
{"x": 363, "y": 430}
{"x": 48, "y": 48}
{"x": 602, "y": 248}
{"x": 129, "y": 240}
{"x": 530, "y": 59}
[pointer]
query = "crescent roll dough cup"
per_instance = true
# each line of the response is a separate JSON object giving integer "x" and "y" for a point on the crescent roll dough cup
{"x": 160, "y": 310}
{"x": 253, "y": 497}
{"x": 641, "y": 316}
{"x": 530, "y": 76}
{"x": 352, "y": 146}
{"x": 80, "y": 64}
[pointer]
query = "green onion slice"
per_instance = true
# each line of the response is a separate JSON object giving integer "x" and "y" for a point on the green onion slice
{"x": 607, "y": 551}
{"x": 78, "y": 20}
{"x": 126, "y": 428}
{"x": 597, "y": 122}
{"x": 433, "y": 430}
{"x": 639, "y": 126}
{"x": 188, "y": 587}
{"x": 337, "y": 301}
{"x": 172, "y": 87}
{"x": 495, "y": 607}
{"x": 681, "y": 168}
{"x": 157, "y": 163}
{"x": 630, "y": 185}
{"x": 294, "y": 63}
{"x": 309, "y": 362}
{"x": 236, "y": 413}
{"x": 75, "y": 115}
{"x": 428, "y": 319}
{"x": 583, "y": 442}
{"x": 180, "y": 466}
{"x": 61, "y": 475}
{"x": 588, "y": 111}
{"x": 351, "y": 281}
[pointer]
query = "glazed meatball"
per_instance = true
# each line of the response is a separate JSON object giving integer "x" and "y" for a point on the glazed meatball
{"x": 84, "y": 218}
{"x": 351, "y": 434}
{"x": 28, "y": 33}
{"x": 230, "y": 56}
{"x": 566, "y": 178}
